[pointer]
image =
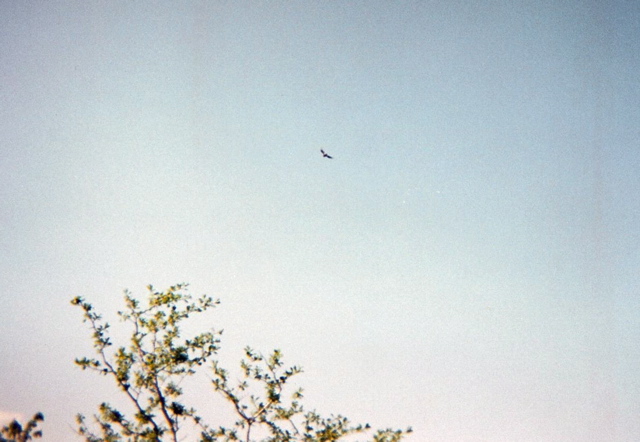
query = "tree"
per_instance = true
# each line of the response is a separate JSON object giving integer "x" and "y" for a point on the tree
{"x": 149, "y": 371}
{"x": 14, "y": 432}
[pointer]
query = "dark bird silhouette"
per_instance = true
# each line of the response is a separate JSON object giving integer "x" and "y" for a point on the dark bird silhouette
{"x": 326, "y": 155}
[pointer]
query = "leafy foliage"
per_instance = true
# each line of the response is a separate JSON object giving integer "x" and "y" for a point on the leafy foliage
{"x": 15, "y": 432}
{"x": 150, "y": 369}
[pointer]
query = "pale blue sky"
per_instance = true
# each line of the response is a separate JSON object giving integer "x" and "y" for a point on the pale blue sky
{"x": 466, "y": 264}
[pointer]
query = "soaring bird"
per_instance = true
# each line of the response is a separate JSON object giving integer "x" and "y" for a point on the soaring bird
{"x": 326, "y": 155}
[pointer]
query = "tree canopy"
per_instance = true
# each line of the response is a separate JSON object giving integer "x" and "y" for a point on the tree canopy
{"x": 149, "y": 369}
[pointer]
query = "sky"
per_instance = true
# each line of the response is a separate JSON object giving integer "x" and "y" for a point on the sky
{"x": 466, "y": 264}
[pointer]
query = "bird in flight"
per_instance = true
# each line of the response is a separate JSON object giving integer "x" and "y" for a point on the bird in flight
{"x": 326, "y": 155}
